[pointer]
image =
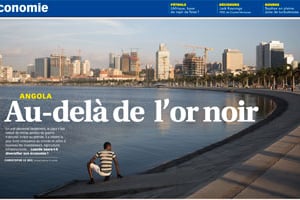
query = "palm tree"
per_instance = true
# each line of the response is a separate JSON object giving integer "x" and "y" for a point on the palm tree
{"x": 261, "y": 75}
{"x": 219, "y": 79}
{"x": 269, "y": 75}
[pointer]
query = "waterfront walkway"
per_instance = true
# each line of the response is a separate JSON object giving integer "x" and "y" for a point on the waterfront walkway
{"x": 272, "y": 173}
{"x": 260, "y": 161}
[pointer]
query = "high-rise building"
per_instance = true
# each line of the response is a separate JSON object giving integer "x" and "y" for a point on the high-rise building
{"x": 42, "y": 67}
{"x": 117, "y": 62}
{"x": 85, "y": 67}
{"x": 270, "y": 54}
{"x": 134, "y": 62}
{"x": 6, "y": 73}
{"x": 59, "y": 66}
{"x": 260, "y": 55}
{"x": 214, "y": 67}
{"x": 232, "y": 60}
{"x": 125, "y": 63}
{"x": 193, "y": 65}
{"x": 31, "y": 70}
{"x": 274, "y": 54}
{"x": 277, "y": 58}
{"x": 162, "y": 69}
{"x": 76, "y": 67}
{"x": 9, "y": 73}
{"x": 149, "y": 72}
{"x": 67, "y": 68}
{"x": 1, "y": 62}
{"x": 111, "y": 60}
{"x": 55, "y": 66}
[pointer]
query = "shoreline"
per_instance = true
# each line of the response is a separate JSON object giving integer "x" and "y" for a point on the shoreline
{"x": 282, "y": 105}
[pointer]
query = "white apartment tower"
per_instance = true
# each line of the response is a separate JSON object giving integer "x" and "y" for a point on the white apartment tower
{"x": 85, "y": 67}
{"x": 76, "y": 67}
{"x": 162, "y": 63}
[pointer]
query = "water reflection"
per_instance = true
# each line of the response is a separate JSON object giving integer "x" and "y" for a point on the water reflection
{"x": 163, "y": 93}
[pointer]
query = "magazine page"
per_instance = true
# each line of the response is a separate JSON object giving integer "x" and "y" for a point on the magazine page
{"x": 149, "y": 99}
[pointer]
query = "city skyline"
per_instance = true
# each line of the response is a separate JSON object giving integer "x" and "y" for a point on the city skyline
{"x": 24, "y": 40}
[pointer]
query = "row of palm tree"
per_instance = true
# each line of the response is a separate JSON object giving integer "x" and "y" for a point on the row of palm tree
{"x": 280, "y": 77}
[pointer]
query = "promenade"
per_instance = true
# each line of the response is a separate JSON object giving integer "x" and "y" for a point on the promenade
{"x": 259, "y": 162}
{"x": 272, "y": 173}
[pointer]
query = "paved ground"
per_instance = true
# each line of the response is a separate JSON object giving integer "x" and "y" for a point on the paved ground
{"x": 261, "y": 161}
{"x": 273, "y": 172}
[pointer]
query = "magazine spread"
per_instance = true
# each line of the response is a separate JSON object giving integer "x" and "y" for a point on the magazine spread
{"x": 149, "y": 99}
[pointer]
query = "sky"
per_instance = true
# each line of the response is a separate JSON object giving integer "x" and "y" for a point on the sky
{"x": 21, "y": 41}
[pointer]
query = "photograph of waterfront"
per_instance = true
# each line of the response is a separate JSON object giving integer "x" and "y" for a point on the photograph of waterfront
{"x": 235, "y": 53}
{"x": 63, "y": 83}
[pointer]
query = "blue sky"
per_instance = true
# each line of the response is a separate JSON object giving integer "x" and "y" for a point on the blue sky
{"x": 23, "y": 40}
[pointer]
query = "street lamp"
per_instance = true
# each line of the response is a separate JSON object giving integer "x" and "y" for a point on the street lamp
{"x": 293, "y": 77}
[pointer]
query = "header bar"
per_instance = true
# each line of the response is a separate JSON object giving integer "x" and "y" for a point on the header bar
{"x": 149, "y": 8}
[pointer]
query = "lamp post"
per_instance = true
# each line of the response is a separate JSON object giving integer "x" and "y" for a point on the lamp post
{"x": 293, "y": 80}
{"x": 290, "y": 68}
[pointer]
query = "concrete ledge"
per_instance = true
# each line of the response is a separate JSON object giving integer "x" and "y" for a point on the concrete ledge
{"x": 115, "y": 187}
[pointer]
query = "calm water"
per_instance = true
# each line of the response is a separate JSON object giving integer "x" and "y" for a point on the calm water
{"x": 139, "y": 146}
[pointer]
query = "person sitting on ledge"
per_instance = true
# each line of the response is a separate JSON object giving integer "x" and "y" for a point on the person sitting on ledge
{"x": 106, "y": 157}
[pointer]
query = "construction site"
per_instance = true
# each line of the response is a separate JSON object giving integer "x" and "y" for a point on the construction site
{"x": 193, "y": 65}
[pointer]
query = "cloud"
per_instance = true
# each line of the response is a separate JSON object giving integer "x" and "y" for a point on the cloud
{"x": 46, "y": 29}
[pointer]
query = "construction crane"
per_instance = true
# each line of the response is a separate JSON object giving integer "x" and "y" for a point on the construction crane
{"x": 206, "y": 49}
{"x": 134, "y": 49}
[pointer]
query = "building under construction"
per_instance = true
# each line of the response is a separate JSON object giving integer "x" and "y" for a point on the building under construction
{"x": 130, "y": 63}
{"x": 125, "y": 63}
{"x": 193, "y": 65}
{"x": 59, "y": 65}
{"x": 134, "y": 63}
